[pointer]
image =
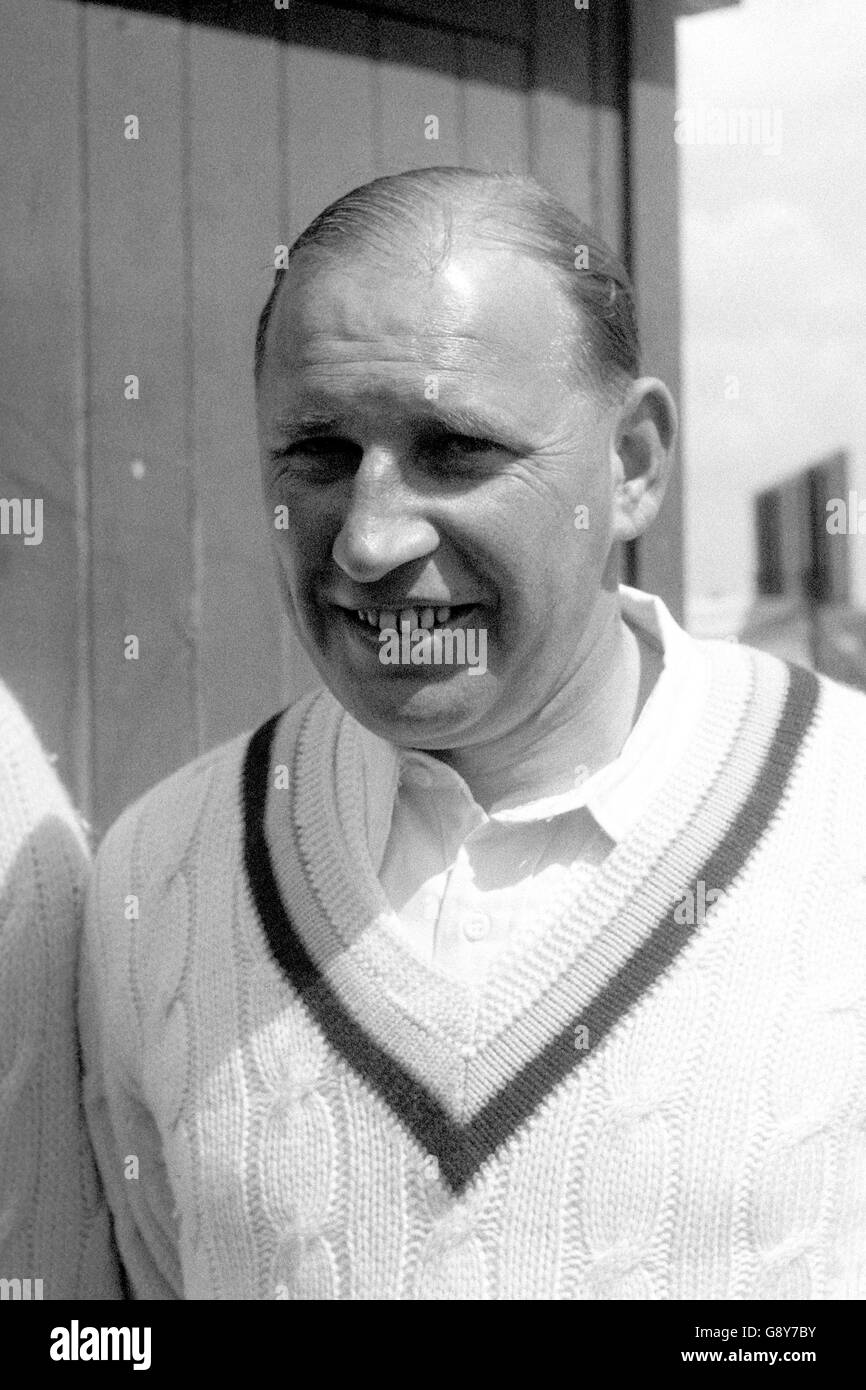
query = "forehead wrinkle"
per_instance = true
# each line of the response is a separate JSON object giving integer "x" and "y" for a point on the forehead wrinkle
{"x": 477, "y": 389}
{"x": 322, "y": 410}
{"x": 461, "y": 353}
{"x": 328, "y": 390}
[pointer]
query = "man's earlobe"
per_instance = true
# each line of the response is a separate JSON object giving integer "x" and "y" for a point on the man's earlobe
{"x": 642, "y": 444}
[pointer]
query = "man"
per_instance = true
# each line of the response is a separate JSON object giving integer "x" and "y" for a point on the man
{"x": 536, "y": 976}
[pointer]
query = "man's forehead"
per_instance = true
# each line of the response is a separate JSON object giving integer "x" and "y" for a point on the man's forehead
{"x": 474, "y": 396}
{"x": 480, "y": 302}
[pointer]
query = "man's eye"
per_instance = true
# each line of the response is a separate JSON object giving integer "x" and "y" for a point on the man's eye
{"x": 460, "y": 457}
{"x": 321, "y": 444}
{"x": 318, "y": 448}
{"x": 469, "y": 444}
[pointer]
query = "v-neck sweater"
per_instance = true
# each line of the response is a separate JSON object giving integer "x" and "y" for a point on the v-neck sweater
{"x": 660, "y": 1093}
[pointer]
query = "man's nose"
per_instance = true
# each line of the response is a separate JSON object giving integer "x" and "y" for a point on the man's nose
{"x": 383, "y": 527}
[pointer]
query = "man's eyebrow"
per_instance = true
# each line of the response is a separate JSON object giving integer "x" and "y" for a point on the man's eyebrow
{"x": 454, "y": 419}
{"x": 307, "y": 422}
{"x": 467, "y": 420}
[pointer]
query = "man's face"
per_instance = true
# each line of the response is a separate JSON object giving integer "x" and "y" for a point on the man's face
{"x": 431, "y": 442}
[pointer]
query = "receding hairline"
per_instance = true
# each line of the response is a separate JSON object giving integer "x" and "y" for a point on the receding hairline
{"x": 424, "y": 264}
{"x": 422, "y": 216}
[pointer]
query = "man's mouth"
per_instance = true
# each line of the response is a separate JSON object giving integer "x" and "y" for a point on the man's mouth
{"x": 426, "y": 616}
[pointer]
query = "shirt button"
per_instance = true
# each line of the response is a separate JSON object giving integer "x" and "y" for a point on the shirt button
{"x": 476, "y": 927}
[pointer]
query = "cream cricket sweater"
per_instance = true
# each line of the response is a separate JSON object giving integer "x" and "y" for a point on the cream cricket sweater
{"x": 54, "y": 1228}
{"x": 641, "y": 1101}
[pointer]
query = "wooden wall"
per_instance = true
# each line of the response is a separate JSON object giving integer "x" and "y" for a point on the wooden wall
{"x": 154, "y": 257}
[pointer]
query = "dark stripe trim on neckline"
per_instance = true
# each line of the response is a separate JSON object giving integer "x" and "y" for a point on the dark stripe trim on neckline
{"x": 462, "y": 1149}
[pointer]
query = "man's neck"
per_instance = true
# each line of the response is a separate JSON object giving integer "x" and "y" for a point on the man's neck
{"x": 580, "y": 731}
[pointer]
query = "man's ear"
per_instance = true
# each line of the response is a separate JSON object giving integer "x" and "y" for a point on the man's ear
{"x": 642, "y": 444}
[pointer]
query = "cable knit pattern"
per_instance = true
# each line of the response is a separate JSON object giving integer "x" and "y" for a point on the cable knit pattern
{"x": 54, "y": 1223}
{"x": 319, "y": 1113}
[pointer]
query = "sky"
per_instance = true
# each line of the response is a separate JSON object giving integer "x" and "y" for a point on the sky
{"x": 773, "y": 269}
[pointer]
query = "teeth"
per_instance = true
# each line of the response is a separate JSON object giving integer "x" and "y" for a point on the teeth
{"x": 425, "y": 618}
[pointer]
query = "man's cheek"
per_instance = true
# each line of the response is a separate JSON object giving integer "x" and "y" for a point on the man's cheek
{"x": 288, "y": 577}
{"x": 296, "y": 539}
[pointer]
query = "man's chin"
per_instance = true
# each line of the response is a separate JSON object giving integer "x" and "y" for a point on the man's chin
{"x": 415, "y": 710}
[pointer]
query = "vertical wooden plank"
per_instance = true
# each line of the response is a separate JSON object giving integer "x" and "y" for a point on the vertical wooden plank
{"x": 563, "y": 137}
{"x": 330, "y": 108}
{"x": 610, "y": 52}
{"x": 654, "y": 242}
{"x": 609, "y": 216}
{"x": 40, "y": 367}
{"x": 495, "y": 105}
{"x": 145, "y": 719}
{"x": 417, "y": 80}
{"x": 235, "y": 224}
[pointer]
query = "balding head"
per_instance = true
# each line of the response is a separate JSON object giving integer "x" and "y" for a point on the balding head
{"x": 413, "y": 221}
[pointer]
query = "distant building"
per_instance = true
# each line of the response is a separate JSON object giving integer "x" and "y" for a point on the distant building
{"x": 803, "y": 611}
{"x": 797, "y": 554}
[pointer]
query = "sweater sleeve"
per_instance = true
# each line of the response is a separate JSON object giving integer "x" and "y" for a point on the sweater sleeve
{"x": 54, "y": 1222}
{"x": 125, "y": 1133}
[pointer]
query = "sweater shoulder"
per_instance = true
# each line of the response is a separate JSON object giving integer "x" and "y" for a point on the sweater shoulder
{"x": 154, "y": 835}
{"x": 839, "y": 710}
{"x": 825, "y": 719}
{"x": 837, "y": 703}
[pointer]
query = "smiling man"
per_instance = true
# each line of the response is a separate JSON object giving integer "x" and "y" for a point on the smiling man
{"x": 430, "y": 431}
{"x": 469, "y": 980}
